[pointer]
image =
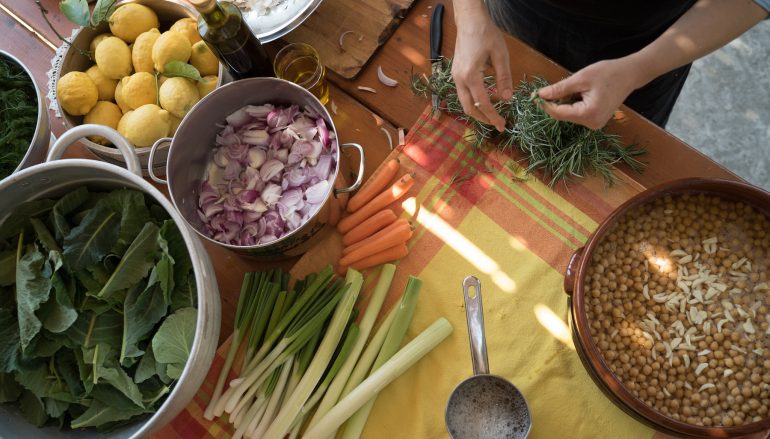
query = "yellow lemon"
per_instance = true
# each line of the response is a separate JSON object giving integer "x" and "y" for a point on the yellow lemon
{"x": 119, "y": 96}
{"x": 170, "y": 46}
{"x": 131, "y": 20}
{"x": 203, "y": 59}
{"x": 104, "y": 113}
{"x": 98, "y": 39}
{"x": 145, "y": 125}
{"x": 141, "y": 51}
{"x": 77, "y": 93}
{"x": 187, "y": 27}
{"x": 139, "y": 89}
{"x": 178, "y": 95}
{"x": 104, "y": 85}
{"x": 113, "y": 58}
{"x": 208, "y": 85}
{"x": 175, "y": 122}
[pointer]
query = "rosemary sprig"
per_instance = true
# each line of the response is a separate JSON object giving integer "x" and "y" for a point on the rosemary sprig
{"x": 561, "y": 150}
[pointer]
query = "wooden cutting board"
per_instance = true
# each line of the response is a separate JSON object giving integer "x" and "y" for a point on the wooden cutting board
{"x": 371, "y": 23}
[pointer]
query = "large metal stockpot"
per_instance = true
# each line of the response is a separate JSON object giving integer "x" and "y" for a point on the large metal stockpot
{"x": 57, "y": 177}
{"x": 168, "y": 12}
{"x": 192, "y": 149}
{"x": 589, "y": 353}
{"x": 38, "y": 145}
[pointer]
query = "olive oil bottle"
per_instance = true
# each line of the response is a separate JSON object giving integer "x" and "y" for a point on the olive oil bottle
{"x": 223, "y": 28}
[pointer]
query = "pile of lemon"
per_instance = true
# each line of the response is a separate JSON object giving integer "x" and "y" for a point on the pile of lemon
{"x": 126, "y": 89}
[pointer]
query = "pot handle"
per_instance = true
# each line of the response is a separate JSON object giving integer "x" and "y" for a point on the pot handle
{"x": 569, "y": 276}
{"x": 151, "y": 159}
{"x": 73, "y": 135}
{"x": 474, "y": 316}
{"x": 360, "y": 177}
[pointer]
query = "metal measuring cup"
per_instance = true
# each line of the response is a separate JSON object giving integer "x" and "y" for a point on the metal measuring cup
{"x": 484, "y": 406}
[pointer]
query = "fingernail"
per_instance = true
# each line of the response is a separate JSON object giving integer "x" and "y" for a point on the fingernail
{"x": 507, "y": 94}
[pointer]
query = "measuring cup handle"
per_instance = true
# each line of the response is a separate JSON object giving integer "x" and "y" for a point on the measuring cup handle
{"x": 474, "y": 314}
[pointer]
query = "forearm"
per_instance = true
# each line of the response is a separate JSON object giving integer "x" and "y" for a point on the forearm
{"x": 707, "y": 26}
{"x": 469, "y": 11}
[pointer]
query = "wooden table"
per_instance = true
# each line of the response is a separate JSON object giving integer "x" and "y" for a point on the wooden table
{"x": 27, "y": 36}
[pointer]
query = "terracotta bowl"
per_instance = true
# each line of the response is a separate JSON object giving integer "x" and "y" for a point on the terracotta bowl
{"x": 589, "y": 353}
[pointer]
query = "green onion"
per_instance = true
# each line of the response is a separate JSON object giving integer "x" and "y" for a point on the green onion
{"x": 390, "y": 370}
{"x": 367, "y": 322}
{"x": 283, "y": 421}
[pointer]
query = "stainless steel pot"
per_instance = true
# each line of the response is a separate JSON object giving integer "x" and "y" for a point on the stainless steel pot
{"x": 168, "y": 12}
{"x": 57, "y": 177}
{"x": 193, "y": 146}
{"x": 38, "y": 146}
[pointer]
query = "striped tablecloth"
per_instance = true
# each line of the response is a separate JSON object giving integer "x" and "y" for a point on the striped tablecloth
{"x": 474, "y": 215}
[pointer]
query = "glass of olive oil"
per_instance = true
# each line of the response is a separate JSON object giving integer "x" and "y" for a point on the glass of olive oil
{"x": 300, "y": 64}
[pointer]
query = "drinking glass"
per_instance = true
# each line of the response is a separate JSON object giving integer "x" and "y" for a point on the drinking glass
{"x": 300, "y": 64}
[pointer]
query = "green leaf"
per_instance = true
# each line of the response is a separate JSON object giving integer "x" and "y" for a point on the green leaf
{"x": 107, "y": 393}
{"x": 66, "y": 365}
{"x": 153, "y": 392}
{"x": 136, "y": 262}
{"x": 35, "y": 379}
{"x": 119, "y": 379}
{"x": 19, "y": 219}
{"x": 100, "y": 413}
{"x": 32, "y": 289}
{"x": 87, "y": 243}
{"x": 164, "y": 272}
{"x": 58, "y": 313}
{"x": 54, "y": 407}
{"x": 175, "y": 370}
{"x": 180, "y": 256}
{"x": 32, "y": 408}
{"x": 66, "y": 205}
{"x": 102, "y": 11}
{"x": 41, "y": 347}
{"x": 146, "y": 368}
{"x": 131, "y": 207}
{"x": 185, "y": 294}
{"x": 9, "y": 341}
{"x": 173, "y": 341}
{"x": 7, "y": 268}
{"x": 44, "y": 236}
{"x": 182, "y": 70}
{"x": 9, "y": 388}
{"x": 143, "y": 309}
{"x": 90, "y": 329}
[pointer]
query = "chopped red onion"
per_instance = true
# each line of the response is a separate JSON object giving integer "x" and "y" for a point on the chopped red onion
{"x": 271, "y": 171}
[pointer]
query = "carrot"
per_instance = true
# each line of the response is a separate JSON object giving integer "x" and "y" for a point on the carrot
{"x": 356, "y": 245}
{"x": 398, "y": 251}
{"x": 376, "y": 184}
{"x": 369, "y": 227}
{"x": 381, "y": 201}
{"x": 375, "y": 245}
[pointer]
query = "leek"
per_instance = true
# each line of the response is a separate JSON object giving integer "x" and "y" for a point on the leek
{"x": 391, "y": 344}
{"x": 367, "y": 322}
{"x": 283, "y": 421}
{"x": 390, "y": 370}
{"x": 257, "y": 427}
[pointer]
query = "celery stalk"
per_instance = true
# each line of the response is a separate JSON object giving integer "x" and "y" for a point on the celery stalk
{"x": 282, "y": 423}
{"x": 367, "y": 322}
{"x": 390, "y": 370}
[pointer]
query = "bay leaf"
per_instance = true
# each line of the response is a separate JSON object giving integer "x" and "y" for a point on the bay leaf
{"x": 32, "y": 289}
{"x": 87, "y": 243}
{"x": 136, "y": 262}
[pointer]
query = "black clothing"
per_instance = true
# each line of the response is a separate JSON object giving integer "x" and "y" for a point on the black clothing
{"x": 576, "y": 33}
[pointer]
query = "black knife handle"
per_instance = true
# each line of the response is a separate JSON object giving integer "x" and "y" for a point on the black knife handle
{"x": 435, "y": 31}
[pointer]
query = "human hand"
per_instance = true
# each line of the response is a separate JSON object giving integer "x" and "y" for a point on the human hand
{"x": 601, "y": 88}
{"x": 478, "y": 42}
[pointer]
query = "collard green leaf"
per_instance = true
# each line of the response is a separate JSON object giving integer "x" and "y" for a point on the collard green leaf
{"x": 131, "y": 207}
{"x": 7, "y": 268}
{"x": 146, "y": 368}
{"x": 19, "y": 219}
{"x": 32, "y": 289}
{"x": 174, "y": 370}
{"x": 9, "y": 388}
{"x": 180, "y": 256}
{"x": 41, "y": 347}
{"x": 55, "y": 407}
{"x": 136, "y": 262}
{"x": 59, "y": 313}
{"x": 183, "y": 70}
{"x": 102, "y": 11}
{"x": 87, "y": 243}
{"x": 44, "y": 236}
{"x": 100, "y": 413}
{"x": 185, "y": 294}
{"x": 90, "y": 329}
{"x": 9, "y": 341}
{"x": 66, "y": 365}
{"x": 119, "y": 379}
{"x": 164, "y": 272}
{"x": 32, "y": 408}
{"x": 107, "y": 393}
{"x": 143, "y": 309}
{"x": 70, "y": 201}
{"x": 153, "y": 392}
{"x": 35, "y": 379}
{"x": 173, "y": 341}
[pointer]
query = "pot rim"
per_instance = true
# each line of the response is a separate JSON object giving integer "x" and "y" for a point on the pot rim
{"x": 241, "y": 83}
{"x": 740, "y": 191}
